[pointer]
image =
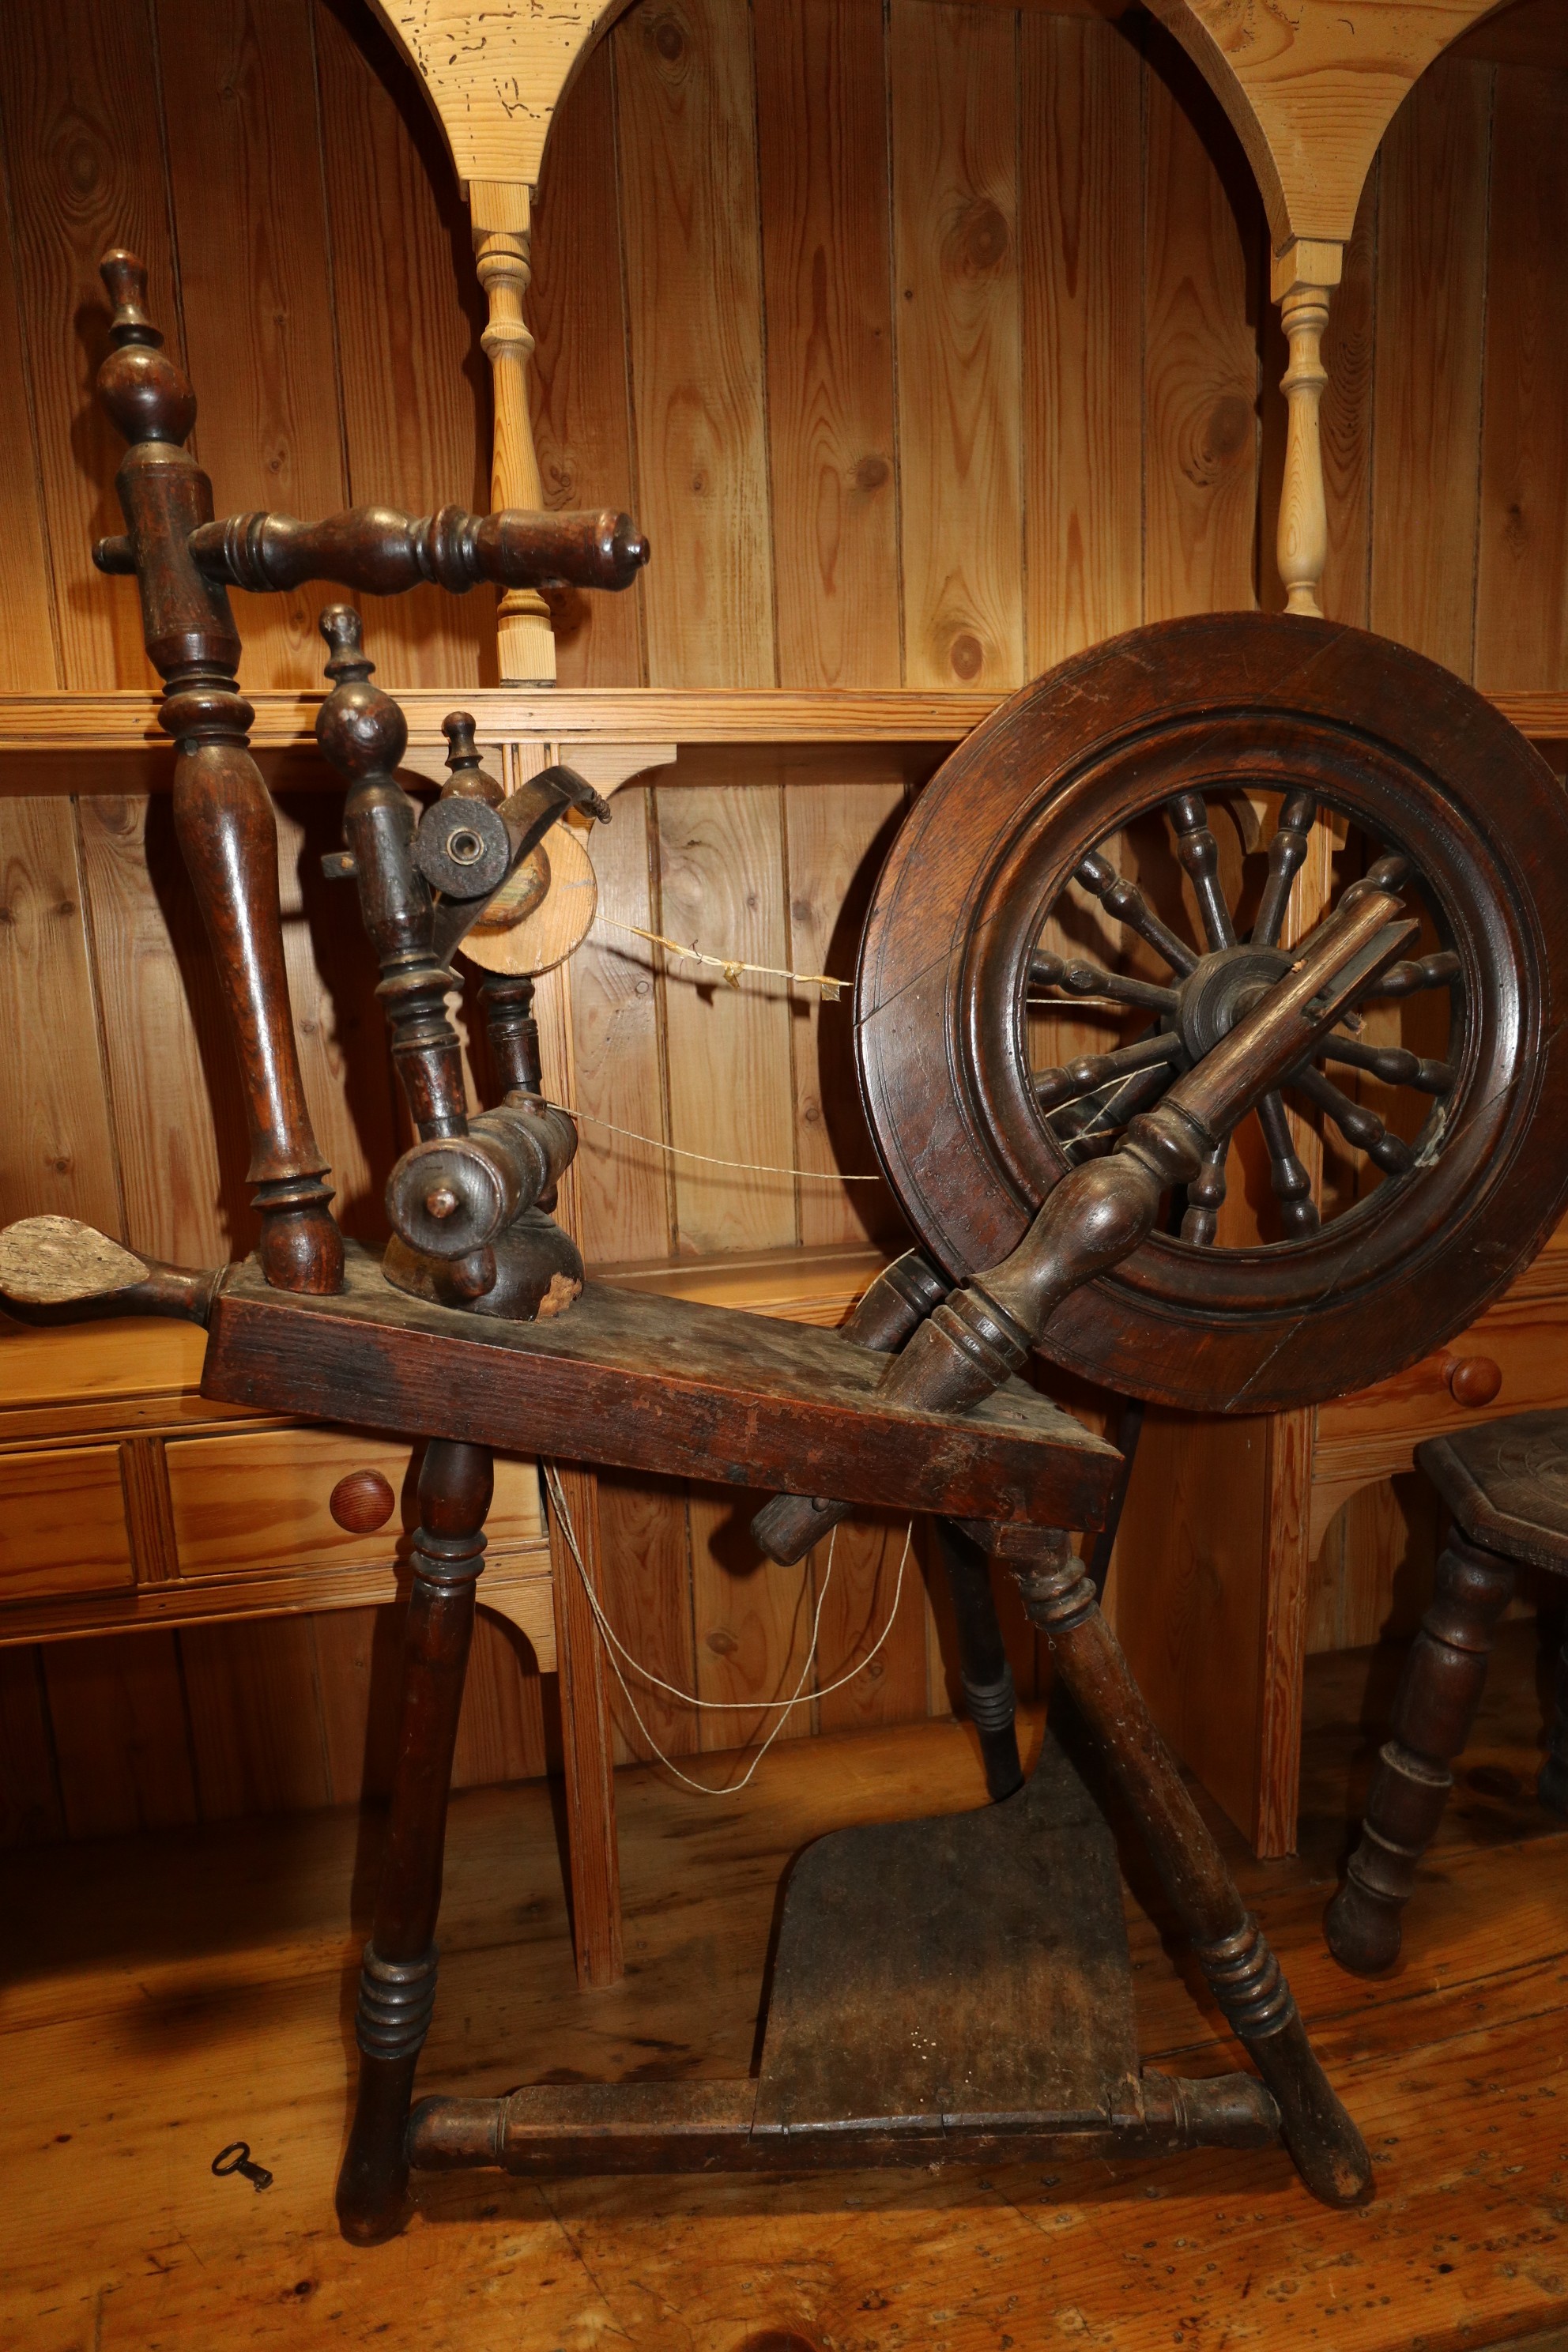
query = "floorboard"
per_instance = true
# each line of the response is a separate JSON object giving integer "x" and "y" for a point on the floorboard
{"x": 167, "y": 1993}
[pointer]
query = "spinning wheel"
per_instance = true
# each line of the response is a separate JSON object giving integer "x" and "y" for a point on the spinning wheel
{"x": 1084, "y": 863}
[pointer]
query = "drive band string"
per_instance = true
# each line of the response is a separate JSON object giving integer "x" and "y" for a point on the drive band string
{"x": 616, "y": 1650}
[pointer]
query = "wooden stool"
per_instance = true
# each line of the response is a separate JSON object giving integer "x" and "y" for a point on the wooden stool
{"x": 1507, "y": 1487}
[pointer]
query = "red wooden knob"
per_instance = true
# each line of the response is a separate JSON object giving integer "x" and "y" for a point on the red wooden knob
{"x": 1474, "y": 1380}
{"x": 362, "y": 1502}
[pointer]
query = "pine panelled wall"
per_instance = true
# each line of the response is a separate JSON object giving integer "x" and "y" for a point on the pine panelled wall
{"x": 930, "y": 343}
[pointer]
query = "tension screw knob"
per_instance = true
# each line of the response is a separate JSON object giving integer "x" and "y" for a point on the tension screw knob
{"x": 441, "y": 1201}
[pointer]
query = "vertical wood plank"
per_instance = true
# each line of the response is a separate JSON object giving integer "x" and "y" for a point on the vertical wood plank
{"x": 577, "y": 377}
{"x": 81, "y": 111}
{"x": 822, "y": 138}
{"x": 1282, "y": 1651}
{"x": 858, "y": 1605}
{"x": 1081, "y": 224}
{"x": 1204, "y": 242}
{"x": 1431, "y": 294}
{"x": 179, "y": 1118}
{"x": 955, "y": 233}
{"x": 121, "y": 1738}
{"x": 256, "y": 1728}
{"x": 623, "y": 1186}
{"x": 500, "y": 1730}
{"x": 645, "y": 1582}
{"x": 1522, "y": 613}
{"x": 753, "y": 1621}
{"x": 30, "y": 1809}
{"x": 57, "y": 1157}
{"x": 836, "y": 839}
{"x": 722, "y": 880}
{"x": 686, "y": 109}
{"x": 28, "y": 653}
{"x": 245, "y": 173}
{"x": 359, "y": 1656}
{"x": 587, "y": 1749}
{"x": 416, "y": 393}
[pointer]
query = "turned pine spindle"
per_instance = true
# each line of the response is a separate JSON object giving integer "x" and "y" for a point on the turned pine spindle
{"x": 503, "y": 265}
{"x": 222, "y": 813}
{"x": 1303, "y": 279}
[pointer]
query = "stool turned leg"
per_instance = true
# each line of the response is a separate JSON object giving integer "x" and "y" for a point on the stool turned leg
{"x": 1551, "y": 1788}
{"x": 1438, "y": 1694}
{"x": 397, "y": 1982}
{"x": 984, "y": 1670}
{"x": 1242, "y": 1972}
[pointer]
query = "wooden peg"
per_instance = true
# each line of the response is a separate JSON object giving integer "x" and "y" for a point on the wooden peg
{"x": 503, "y": 265}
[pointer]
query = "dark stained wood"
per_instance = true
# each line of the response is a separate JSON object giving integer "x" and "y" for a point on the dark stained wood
{"x": 647, "y": 1383}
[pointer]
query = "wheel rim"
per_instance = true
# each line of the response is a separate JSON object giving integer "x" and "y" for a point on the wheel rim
{"x": 1175, "y": 716}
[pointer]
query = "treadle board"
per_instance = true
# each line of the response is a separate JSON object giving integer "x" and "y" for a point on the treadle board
{"x": 650, "y": 1383}
{"x": 961, "y": 1969}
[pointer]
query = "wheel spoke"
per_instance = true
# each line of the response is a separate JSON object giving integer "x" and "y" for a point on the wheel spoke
{"x": 1199, "y": 853}
{"x": 1418, "y": 973}
{"x": 1292, "y": 1185}
{"x": 1058, "y": 1087}
{"x": 1356, "y": 1122}
{"x": 1127, "y": 903}
{"x": 1206, "y": 1197}
{"x": 1082, "y": 979}
{"x": 1287, "y": 856}
{"x": 1392, "y": 1064}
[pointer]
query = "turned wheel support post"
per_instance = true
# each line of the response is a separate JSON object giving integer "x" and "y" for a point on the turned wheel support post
{"x": 398, "y": 1981}
{"x": 1242, "y": 1973}
{"x": 1302, "y": 278}
{"x": 500, "y": 215}
{"x": 223, "y": 812}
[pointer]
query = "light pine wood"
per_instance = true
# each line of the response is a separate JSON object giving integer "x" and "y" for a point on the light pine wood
{"x": 646, "y": 1586}
{"x": 408, "y": 349}
{"x": 623, "y": 1187}
{"x": 29, "y": 653}
{"x": 1200, "y": 363}
{"x": 1311, "y": 95}
{"x": 503, "y": 263}
{"x": 822, "y": 135}
{"x": 857, "y": 1610}
{"x": 257, "y": 1737}
{"x": 1521, "y": 601}
{"x": 685, "y": 111}
{"x": 1431, "y": 295}
{"x": 585, "y": 1673}
{"x": 752, "y": 1627}
{"x": 1283, "y": 1634}
{"x": 577, "y": 382}
{"x": 1345, "y": 417}
{"x": 30, "y": 1810}
{"x": 502, "y": 1732}
{"x": 721, "y": 867}
{"x": 57, "y": 1157}
{"x": 255, "y": 283}
{"x": 1081, "y": 223}
{"x": 1301, "y": 533}
{"x": 65, "y": 1515}
{"x": 78, "y": 87}
{"x": 955, "y": 252}
{"x": 834, "y": 842}
{"x": 493, "y": 78}
{"x": 120, "y": 1735}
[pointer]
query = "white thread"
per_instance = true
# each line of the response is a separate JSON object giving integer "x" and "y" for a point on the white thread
{"x": 730, "y": 966}
{"x": 680, "y": 1151}
{"x": 613, "y": 1644}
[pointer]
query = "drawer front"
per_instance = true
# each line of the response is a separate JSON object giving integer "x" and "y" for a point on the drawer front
{"x": 1528, "y": 1345}
{"x": 245, "y": 1503}
{"x": 64, "y": 1519}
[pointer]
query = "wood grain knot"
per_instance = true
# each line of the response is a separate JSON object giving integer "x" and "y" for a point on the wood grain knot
{"x": 872, "y": 473}
{"x": 1473, "y": 1379}
{"x": 362, "y": 1502}
{"x": 967, "y": 656}
{"x": 985, "y": 235}
{"x": 667, "y": 39}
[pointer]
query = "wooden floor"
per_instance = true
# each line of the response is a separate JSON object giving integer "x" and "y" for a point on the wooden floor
{"x": 165, "y": 1995}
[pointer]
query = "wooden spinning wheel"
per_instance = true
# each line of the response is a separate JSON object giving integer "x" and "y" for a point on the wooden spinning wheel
{"x": 1022, "y": 892}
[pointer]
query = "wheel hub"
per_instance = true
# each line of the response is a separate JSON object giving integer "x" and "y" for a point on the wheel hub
{"x": 1222, "y": 987}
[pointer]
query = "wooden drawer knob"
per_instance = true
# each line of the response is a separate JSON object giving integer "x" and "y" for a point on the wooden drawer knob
{"x": 1473, "y": 1379}
{"x": 362, "y": 1502}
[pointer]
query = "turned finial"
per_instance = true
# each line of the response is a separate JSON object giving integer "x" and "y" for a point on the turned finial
{"x": 468, "y": 779}
{"x": 361, "y": 729}
{"x": 147, "y": 393}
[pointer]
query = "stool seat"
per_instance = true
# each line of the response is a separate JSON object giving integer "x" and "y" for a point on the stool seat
{"x": 1505, "y": 1483}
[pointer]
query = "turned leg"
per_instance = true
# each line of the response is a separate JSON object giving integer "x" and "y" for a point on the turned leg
{"x": 1439, "y": 1692}
{"x": 1552, "y": 1787}
{"x": 984, "y": 1670}
{"x": 397, "y": 1982}
{"x": 1242, "y": 1973}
